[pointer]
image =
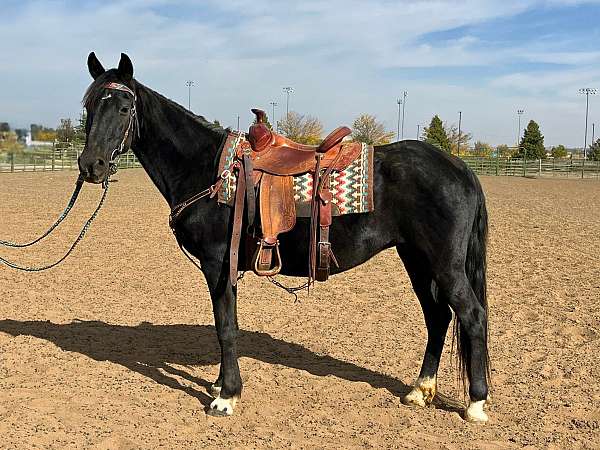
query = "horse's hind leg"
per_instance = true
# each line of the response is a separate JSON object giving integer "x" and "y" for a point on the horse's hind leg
{"x": 437, "y": 318}
{"x": 472, "y": 337}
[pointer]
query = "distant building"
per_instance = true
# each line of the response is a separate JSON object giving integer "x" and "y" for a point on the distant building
{"x": 31, "y": 143}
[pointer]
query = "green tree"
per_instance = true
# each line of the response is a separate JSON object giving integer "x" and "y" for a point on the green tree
{"x": 366, "y": 128}
{"x": 300, "y": 128}
{"x": 559, "y": 152}
{"x": 4, "y": 127}
{"x": 532, "y": 143}
{"x": 594, "y": 153}
{"x": 482, "y": 149}
{"x": 80, "y": 128}
{"x": 436, "y": 135}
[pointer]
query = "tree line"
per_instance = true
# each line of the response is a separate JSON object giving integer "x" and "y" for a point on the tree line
{"x": 307, "y": 129}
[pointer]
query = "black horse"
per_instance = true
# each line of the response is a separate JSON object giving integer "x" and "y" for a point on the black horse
{"x": 428, "y": 205}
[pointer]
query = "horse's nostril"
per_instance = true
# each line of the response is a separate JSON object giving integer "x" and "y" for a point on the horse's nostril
{"x": 101, "y": 162}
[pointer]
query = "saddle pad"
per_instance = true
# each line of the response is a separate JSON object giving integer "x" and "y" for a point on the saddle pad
{"x": 352, "y": 188}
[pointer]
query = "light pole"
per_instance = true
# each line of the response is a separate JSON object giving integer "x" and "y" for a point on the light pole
{"x": 459, "y": 122}
{"x": 519, "y": 113}
{"x": 398, "y": 130}
{"x": 238, "y": 120}
{"x": 273, "y": 105}
{"x": 587, "y": 92}
{"x": 593, "y": 133}
{"x": 189, "y": 84}
{"x": 403, "y": 106}
{"x": 418, "y": 129}
{"x": 288, "y": 90}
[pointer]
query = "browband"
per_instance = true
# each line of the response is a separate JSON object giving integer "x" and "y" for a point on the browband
{"x": 119, "y": 87}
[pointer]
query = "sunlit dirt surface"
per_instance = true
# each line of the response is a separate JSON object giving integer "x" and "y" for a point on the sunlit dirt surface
{"x": 115, "y": 348}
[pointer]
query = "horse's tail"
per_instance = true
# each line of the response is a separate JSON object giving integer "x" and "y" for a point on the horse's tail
{"x": 475, "y": 268}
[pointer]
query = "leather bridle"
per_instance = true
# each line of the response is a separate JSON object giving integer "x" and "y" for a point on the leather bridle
{"x": 133, "y": 124}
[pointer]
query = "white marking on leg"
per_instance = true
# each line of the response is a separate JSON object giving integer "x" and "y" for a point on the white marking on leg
{"x": 475, "y": 412}
{"x": 224, "y": 405}
{"x": 422, "y": 393}
{"x": 214, "y": 390}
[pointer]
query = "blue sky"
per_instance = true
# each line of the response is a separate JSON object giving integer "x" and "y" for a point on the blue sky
{"x": 484, "y": 58}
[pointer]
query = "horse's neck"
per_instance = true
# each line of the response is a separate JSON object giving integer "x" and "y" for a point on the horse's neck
{"x": 177, "y": 149}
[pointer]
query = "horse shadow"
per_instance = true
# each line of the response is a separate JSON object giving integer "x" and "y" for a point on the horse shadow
{"x": 149, "y": 349}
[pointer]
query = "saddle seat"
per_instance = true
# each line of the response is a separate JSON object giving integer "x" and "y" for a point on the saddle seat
{"x": 268, "y": 168}
{"x": 278, "y": 155}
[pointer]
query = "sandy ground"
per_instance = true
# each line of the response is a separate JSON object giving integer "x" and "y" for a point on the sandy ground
{"x": 115, "y": 348}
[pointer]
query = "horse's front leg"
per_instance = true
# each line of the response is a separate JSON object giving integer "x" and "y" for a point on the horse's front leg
{"x": 228, "y": 387}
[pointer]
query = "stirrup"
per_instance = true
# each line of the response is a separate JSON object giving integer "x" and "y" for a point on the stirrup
{"x": 263, "y": 259}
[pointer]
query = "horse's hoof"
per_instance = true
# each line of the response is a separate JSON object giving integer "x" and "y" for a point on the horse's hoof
{"x": 221, "y": 407}
{"x": 475, "y": 412}
{"x": 214, "y": 390}
{"x": 216, "y": 413}
{"x": 414, "y": 398}
{"x": 422, "y": 392}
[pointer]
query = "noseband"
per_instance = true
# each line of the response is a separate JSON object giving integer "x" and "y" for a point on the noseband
{"x": 133, "y": 123}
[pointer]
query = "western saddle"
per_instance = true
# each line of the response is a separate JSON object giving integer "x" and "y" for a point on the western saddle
{"x": 268, "y": 166}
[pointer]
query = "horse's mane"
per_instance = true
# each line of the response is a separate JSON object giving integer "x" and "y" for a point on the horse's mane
{"x": 94, "y": 93}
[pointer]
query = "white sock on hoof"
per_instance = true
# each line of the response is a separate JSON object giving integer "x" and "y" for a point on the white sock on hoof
{"x": 475, "y": 412}
{"x": 422, "y": 393}
{"x": 224, "y": 405}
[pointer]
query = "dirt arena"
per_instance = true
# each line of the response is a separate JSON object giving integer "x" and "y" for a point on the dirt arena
{"x": 115, "y": 348}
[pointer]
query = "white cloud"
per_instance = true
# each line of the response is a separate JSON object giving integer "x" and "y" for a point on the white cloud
{"x": 343, "y": 58}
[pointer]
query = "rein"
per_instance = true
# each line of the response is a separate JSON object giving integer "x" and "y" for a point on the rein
{"x": 62, "y": 217}
{"x": 118, "y": 151}
{"x": 82, "y": 233}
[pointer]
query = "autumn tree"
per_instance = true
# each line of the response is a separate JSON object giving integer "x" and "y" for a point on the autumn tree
{"x": 366, "y": 128}
{"x": 300, "y": 128}
{"x": 65, "y": 131}
{"x": 41, "y": 133}
{"x": 532, "y": 143}
{"x": 436, "y": 135}
{"x": 503, "y": 150}
{"x": 453, "y": 137}
{"x": 482, "y": 149}
{"x": 559, "y": 152}
{"x": 9, "y": 142}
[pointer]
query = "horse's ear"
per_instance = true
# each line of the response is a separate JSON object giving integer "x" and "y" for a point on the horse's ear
{"x": 94, "y": 66}
{"x": 125, "y": 68}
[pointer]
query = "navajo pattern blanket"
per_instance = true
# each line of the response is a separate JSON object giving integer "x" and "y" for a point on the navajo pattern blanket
{"x": 352, "y": 188}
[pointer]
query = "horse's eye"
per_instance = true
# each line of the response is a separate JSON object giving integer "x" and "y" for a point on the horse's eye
{"x": 124, "y": 110}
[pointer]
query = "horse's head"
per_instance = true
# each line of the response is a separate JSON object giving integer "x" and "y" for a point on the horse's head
{"x": 110, "y": 102}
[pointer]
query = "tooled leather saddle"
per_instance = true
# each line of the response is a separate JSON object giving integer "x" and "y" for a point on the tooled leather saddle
{"x": 268, "y": 164}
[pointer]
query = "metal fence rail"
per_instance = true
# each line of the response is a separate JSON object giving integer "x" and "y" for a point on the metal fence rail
{"x": 61, "y": 157}
{"x": 503, "y": 166}
{"x": 52, "y": 159}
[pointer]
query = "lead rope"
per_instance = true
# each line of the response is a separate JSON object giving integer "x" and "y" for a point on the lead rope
{"x": 82, "y": 233}
{"x": 62, "y": 217}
